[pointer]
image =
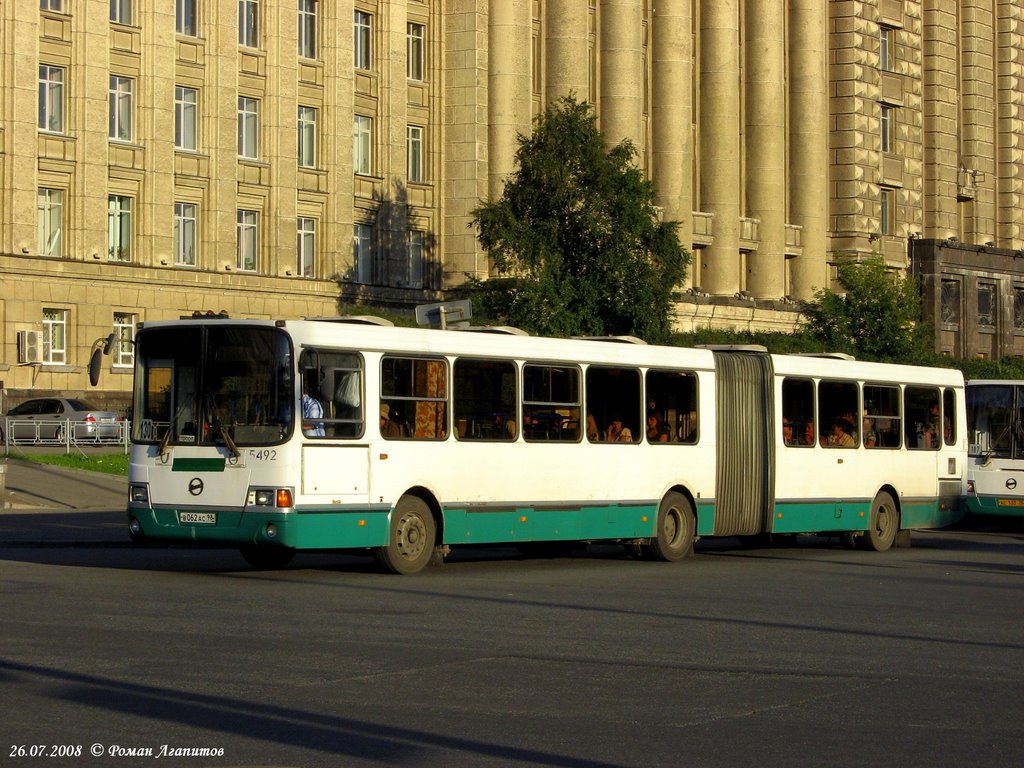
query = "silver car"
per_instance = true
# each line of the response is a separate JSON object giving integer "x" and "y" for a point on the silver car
{"x": 45, "y": 419}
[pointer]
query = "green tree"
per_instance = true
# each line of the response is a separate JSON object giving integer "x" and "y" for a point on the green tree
{"x": 877, "y": 318}
{"x": 575, "y": 237}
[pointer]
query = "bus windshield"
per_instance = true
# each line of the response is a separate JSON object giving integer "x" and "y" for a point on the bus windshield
{"x": 213, "y": 385}
{"x": 994, "y": 419}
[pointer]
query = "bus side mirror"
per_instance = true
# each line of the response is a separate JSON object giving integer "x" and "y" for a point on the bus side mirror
{"x": 95, "y": 362}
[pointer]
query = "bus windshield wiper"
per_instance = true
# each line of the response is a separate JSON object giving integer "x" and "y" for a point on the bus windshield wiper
{"x": 232, "y": 448}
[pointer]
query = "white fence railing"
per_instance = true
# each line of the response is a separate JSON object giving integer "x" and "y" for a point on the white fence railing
{"x": 65, "y": 432}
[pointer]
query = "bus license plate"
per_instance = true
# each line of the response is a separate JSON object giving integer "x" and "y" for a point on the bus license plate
{"x": 197, "y": 518}
{"x": 1010, "y": 502}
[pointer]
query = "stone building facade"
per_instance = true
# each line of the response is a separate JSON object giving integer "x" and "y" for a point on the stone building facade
{"x": 276, "y": 158}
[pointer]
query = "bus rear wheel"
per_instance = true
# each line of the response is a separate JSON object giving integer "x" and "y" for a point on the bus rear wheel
{"x": 411, "y": 539}
{"x": 676, "y": 530}
{"x": 267, "y": 557}
{"x": 883, "y": 525}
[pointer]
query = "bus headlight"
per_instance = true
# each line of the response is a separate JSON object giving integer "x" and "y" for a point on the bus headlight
{"x": 138, "y": 494}
{"x": 264, "y": 498}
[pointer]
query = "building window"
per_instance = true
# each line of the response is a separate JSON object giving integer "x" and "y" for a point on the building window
{"x": 50, "y": 217}
{"x": 949, "y": 302}
{"x": 185, "y": 16}
{"x": 249, "y": 23}
{"x": 363, "y": 40}
{"x": 414, "y": 142}
{"x": 55, "y": 335}
{"x": 305, "y": 247}
{"x": 186, "y": 118}
{"x": 248, "y": 127}
{"x": 415, "y": 250}
{"x": 416, "y": 35}
{"x": 120, "y": 124}
{"x": 185, "y": 234}
{"x": 885, "y": 126}
{"x": 887, "y": 216}
{"x": 51, "y": 98}
{"x": 307, "y": 137}
{"x": 51, "y": 5}
{"x": 248, "y": 240}
{"x": 1018, "y": 308}
{"x": 307, "y": 28}
{"x": 886, "y": 51}
{"x": 986, "y": 304}
{"x": 121, "y": 11}
{"x": 362, "y": 256}
{"x": 119, "y": 228}
{"x": 362, "y": 156}
{"x": 124, "y": 337}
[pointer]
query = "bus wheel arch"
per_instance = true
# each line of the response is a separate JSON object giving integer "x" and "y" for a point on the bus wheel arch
{"x": 413, "y": 533}
{"x": 675, "y": 528}
{"x": 883, "y": 521}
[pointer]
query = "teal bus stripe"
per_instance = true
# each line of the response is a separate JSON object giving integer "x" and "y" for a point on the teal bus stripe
{"x": 198, "y": 465}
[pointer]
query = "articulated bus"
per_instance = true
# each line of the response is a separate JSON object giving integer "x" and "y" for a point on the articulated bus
{"x": 278, "y": 436}
{"x": 994, "y": 481}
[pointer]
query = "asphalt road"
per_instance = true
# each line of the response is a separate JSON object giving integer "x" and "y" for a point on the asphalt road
{"x": 810, "y": 655}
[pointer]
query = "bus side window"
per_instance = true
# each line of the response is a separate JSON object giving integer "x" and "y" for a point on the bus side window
{"x": 881, "y": 416}
{"x": 335, "y": 380}
{"x": 923, "y": 418}
{"x": 415, "y": 391}
{"x": 839, "y": 422}
{"x": 672, "y": 399}
{"x": 613, "y": 400}
{"x": 798, "y": 412}
{"x": 949, "y": 417}
{"x": 484, "y": 400}
{"x": 551, "y": 403}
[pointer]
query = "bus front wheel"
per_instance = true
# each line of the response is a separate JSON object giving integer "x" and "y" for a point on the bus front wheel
{"x": 676, "y": 529}
{"x": 410, "y": 544}
{"x": 883, "y": 525}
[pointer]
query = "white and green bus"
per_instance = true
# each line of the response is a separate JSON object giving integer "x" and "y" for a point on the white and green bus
{"x": 994, "y": 481}
{"x": 406, "y": 442}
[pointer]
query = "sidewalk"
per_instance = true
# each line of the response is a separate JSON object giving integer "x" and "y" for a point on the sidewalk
{"x": 47, "y": 505}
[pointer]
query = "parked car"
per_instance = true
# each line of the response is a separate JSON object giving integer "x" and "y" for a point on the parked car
{"x": 45, "y": 419}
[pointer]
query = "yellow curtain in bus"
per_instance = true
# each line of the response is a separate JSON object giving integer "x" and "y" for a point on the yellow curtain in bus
{"x": 430, "y": 415}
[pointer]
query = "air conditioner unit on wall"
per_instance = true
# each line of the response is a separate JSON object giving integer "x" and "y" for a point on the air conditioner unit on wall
{"x": 30, "y": 346}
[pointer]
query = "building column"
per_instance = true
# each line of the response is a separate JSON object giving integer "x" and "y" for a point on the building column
{"x": 671, "y": 115}
{"x": 510, "y": 31}
{"x": 941, "y": 119}
{"x": 1010, "y": 119}
{"x": 567, "y": 69}
{"x": 765, "y": 115}
{"x": 808, "y": 141}
{"x": 622, "y": 72}
{"x": 720, "y": 143}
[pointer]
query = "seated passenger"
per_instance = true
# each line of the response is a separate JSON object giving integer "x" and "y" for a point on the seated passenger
{"x": 388, "y": 428}
{"x": 840, "y": 436}
{"x": 617, "y": 432}
{"x": 656, "y": 432}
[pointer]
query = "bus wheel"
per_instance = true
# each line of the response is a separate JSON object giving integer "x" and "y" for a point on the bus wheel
{"x": 676, "y": 529}
{"x": 883, "y": 526}
{"x": 267, "y": 557}
{"x": 411, "y": 541}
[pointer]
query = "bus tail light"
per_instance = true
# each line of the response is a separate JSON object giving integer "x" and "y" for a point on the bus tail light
{"x": 284, "y": 497}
